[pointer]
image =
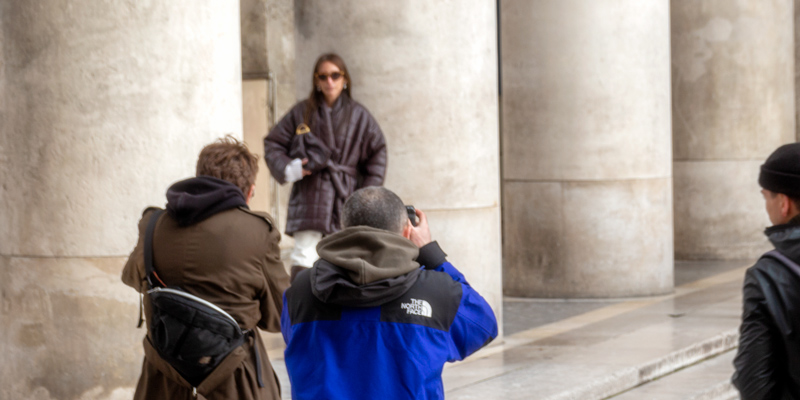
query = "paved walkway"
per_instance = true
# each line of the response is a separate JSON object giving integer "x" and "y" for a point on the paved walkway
{"x": 677, "y": 346}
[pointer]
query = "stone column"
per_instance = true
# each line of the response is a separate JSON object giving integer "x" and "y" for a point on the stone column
{"x": 797, "y": 67}
{"x": 427, "y": 71}
{"x": 587, "y": 196}
{"x": 268, "y": 88}
{"x": 733, "y": 104}
{"x": 104, "y": 105}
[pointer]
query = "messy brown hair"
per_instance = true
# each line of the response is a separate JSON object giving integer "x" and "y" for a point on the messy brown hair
{"x": 229, "y": 159}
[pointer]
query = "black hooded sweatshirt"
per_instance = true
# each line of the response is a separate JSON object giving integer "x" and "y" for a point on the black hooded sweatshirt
{"x": 195, "y": 199}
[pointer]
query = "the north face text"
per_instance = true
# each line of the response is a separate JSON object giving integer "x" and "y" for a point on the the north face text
{"x": 418, "y": 307}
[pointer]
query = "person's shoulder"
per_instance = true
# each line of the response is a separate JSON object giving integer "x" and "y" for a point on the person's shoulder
{"x": 299, "y": 107}
{"x": 359, "y": 108}
{"x": 360, "y": 113}
{"x": 768, "y": 269}
{"x": 440, "y": 282}
{"x": 355, "y": 104}
{"x": 259, "y": 215}
{"x": 295, "y": 113}
{"x": 146, "y": 215}
{"x": 147, "y": 212}
{"x": 762, "y": 266}
{"x": 766, "y": 263}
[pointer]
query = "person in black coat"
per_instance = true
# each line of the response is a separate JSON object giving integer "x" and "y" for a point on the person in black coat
{"x": 768, "y": 360}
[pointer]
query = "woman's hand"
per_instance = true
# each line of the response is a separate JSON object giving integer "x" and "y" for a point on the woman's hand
{"x": 294, "y": 170}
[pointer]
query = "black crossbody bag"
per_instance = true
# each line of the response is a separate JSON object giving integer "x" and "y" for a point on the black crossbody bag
{"x": 191, "y": 334}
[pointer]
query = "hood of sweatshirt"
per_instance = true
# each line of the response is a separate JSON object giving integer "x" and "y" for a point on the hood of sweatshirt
{"x": 195, "y": 199}
{"x": 364, "y": 267}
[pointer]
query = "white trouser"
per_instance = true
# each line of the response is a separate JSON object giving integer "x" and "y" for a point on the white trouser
{"x": 304, "y": 253}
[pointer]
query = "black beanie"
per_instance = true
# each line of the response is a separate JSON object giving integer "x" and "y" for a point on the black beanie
{"x": 781, "y": 172}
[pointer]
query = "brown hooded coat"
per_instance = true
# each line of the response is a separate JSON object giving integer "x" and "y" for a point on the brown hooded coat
{"x": 231, "y": 259}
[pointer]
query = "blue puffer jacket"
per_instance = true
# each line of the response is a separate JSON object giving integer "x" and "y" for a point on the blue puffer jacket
{"x": 352, "y": 337}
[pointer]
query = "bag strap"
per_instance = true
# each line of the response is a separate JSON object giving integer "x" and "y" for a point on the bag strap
{"x": 150, "y": 271}
{"x": 258, "y": 358}
{"x": 148, "y": 261}
{"x": 775, "y": 254}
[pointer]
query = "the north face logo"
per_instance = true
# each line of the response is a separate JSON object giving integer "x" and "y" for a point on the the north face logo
{"x": 418, "y": 307}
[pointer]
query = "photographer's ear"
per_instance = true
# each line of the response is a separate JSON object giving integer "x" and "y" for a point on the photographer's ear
{"x": 408, "y": 229}
{"x": 250, "y": 193}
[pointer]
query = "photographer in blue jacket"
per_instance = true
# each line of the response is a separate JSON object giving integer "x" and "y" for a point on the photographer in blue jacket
{"x": 381, "y": 311}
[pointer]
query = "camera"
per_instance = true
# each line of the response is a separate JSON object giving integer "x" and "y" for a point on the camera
{"x": 412, "y": 215}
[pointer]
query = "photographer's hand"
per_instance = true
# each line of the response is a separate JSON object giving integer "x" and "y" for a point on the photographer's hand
{"x": 420, "y": 235}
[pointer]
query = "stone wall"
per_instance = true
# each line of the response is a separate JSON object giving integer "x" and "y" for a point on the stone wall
{"x": 733, "y": 69}
{"x": 587, "y": 188}
{"x": 104, "y": 105}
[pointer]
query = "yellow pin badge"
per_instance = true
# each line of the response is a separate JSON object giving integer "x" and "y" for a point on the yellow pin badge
{"x": 301, "y": 129}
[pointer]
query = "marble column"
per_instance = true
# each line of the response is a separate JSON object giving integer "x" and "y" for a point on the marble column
{"x": 104, "y": 104}
{"x": 427, "y": 71}
{"x": 587, "y": 194}
{"x": 733, "y": 104}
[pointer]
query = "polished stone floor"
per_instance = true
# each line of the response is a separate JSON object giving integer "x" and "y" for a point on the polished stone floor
{"x": 708, "y": 379}
{"x": 597, "y": 349}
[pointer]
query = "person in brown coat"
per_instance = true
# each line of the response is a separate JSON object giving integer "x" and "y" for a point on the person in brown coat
{"x": 211, "y": 245}
{"x": 357, "y": 157}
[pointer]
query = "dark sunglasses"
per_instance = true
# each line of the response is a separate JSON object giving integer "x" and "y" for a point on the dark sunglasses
{"x": 324, "y": 77}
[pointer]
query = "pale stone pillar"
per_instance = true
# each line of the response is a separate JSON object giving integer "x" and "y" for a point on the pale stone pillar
{"x": 268, "y": 54}
{"x": 104, "y": 105}
{"x": 733, "y": 104}
{"x": 428, "y": 73}
{"x": 587, "y": 191}
{"x": 797, "y": 67}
